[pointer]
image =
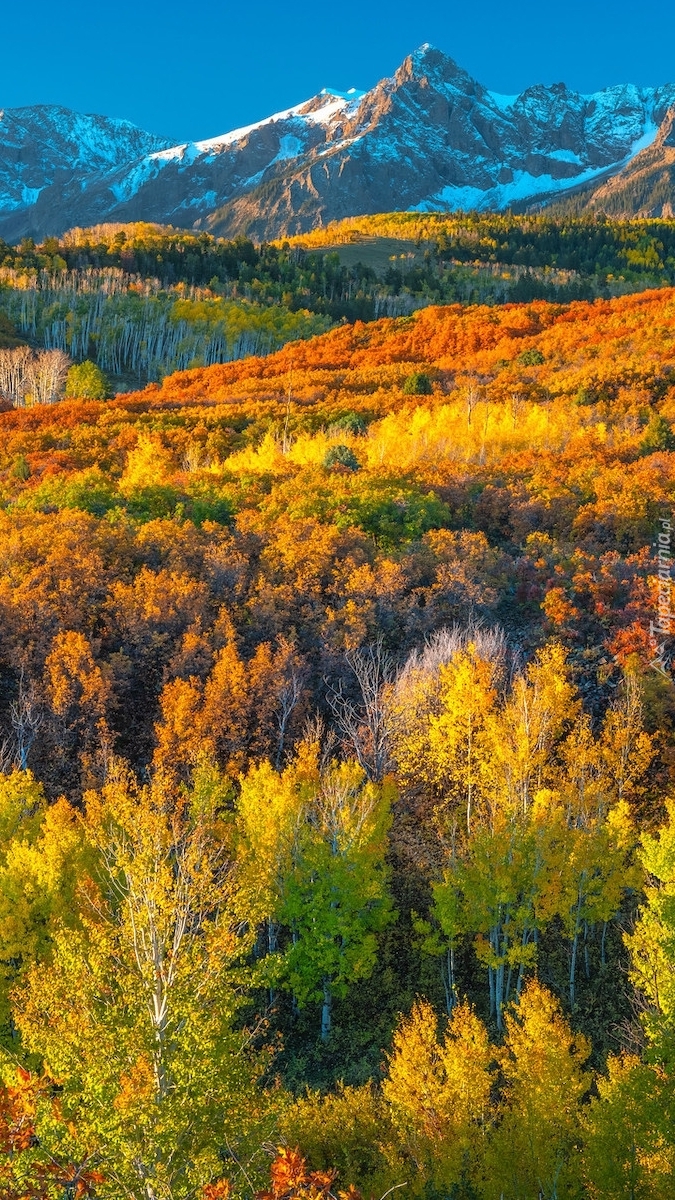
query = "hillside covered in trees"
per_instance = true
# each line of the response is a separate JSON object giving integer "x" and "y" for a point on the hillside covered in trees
{"x": 144, "y": 300}
{"x": 336, "y": 722}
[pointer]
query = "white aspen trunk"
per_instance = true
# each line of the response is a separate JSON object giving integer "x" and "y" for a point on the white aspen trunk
{"x": 326, "y": 1010}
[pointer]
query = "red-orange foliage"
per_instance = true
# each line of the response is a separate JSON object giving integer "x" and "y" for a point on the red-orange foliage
{"x": 17, "y": 1112}
{"x": 623, "y": 340}
{"x": 291, "y": 1179}
{"x": 628, "y": 335}
{"x": 161, "y": 630}
{"x": 221, "y": 1190}
{"x": 27, "y": 1172}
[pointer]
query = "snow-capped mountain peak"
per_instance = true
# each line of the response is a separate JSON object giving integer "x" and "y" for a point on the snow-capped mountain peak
{"x": 428, "y": 137}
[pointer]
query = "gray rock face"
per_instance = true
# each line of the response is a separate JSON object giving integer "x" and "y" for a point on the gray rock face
{"x": 430, "y": 138}
{"x": 44, "y": 148}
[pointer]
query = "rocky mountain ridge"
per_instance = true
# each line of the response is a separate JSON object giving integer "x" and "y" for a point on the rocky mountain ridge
{"x": 645, "y": 187}
{"x": 428, "y": 138}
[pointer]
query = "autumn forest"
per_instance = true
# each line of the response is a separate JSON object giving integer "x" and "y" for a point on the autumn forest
{"x": 337, "y": 764}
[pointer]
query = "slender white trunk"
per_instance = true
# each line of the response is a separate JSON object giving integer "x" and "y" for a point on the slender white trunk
{"x": 326, "y": 1010}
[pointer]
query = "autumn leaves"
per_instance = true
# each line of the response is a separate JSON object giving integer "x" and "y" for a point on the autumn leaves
{"x": 531, "y": 809}
{"x": 132, "y": 1011}
{"x": 313, "y": 847}
{"x": 133, "y": 935}
{"x": 316, "y": 794}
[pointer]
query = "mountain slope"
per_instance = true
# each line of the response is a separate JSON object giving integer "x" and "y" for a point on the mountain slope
{"x": 428, "y": 138}
{"x": 432, "y": 138}
{"x": 42, "y": 146}
{"x": 646, "y": 185}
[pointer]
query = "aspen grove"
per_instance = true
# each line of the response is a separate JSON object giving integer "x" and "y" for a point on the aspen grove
{"x": 337, "y": 767}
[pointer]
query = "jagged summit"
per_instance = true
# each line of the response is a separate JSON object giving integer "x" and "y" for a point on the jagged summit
{"x": 351, "y": 94}
{"x": 428, "y": 137}
{"x": 429, "y": 65}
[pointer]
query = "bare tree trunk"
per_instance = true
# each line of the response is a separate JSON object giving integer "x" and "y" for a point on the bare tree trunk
{"x": 272, "y": 943}
{"x": 448, "y": 977}
{"x": 575, "y": 944}
{"x": 365, "y": 725}
{"x": 26, "y": 716}
{"x": 326, "y": 1010}
{"x": 573, "y": 966}
{"x": 288, "y": 699}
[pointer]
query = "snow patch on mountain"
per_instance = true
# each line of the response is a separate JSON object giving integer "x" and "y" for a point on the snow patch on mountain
{"x": 646, "y": 139}
{"x": 332, "y": 102}
{"x": 567, "y": 156}
{"x": 289, "y": 147}
{"x": 523, "y": 186}
{"x": 430, "y": 137}
{"x": 131, "y": 183}
{"x": 319, "y": 111}
{"x": 503, "y": 102}
{"x": 207, "y": 201}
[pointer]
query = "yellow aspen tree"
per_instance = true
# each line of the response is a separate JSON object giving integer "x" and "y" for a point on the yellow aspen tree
{"x": 270, "y": 808}
{"x": 503, "y": 890}
{"x": 630, "y": 1150}
{"x": 652, "y": 943}
{"x": 600, "y": 779}
{"x": 42, "y": 856}
{"x": 335, "y": 897}
{"x": 581, "y": 778}
{"x": 438, "y": 1094}
{"x": 523, "y": 735}
{"x": 348, "y": 1129}
{"x": 438, "y": 723}
{"x": 467, "y": 698}
{"x": 597, "y": 872}
{"x": 135, "y": 1014}
{"x": 626, "y": 748}
{"x": 534, "y": 1149}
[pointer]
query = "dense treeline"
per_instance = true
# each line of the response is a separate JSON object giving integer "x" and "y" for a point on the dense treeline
{"x": 238, "y": 270}
{"x": 335, "y": 802}
{"x": 465, "y": 258}
{"x": 142, "y": 300}
{"x": 133, "y": 327}
{"x": 591, "y": 246}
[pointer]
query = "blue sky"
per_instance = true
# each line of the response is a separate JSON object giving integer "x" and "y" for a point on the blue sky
{"x": 193, "y": 70}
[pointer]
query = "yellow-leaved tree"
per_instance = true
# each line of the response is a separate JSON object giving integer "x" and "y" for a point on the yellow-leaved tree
{"x": 535, "y": 1149}
{"x": 135, "y": 1016}
{"x": 438, "y": 1094}
{"x": 270, "y": 808}
{"x": 439, "y": 721}
{"x": 42, "y": 853}
{"x": 312, "y": 843}
{"x": 530, "y": 808}
{"x": 630, "y": 1149}
{"x": 628, "y": 1133}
